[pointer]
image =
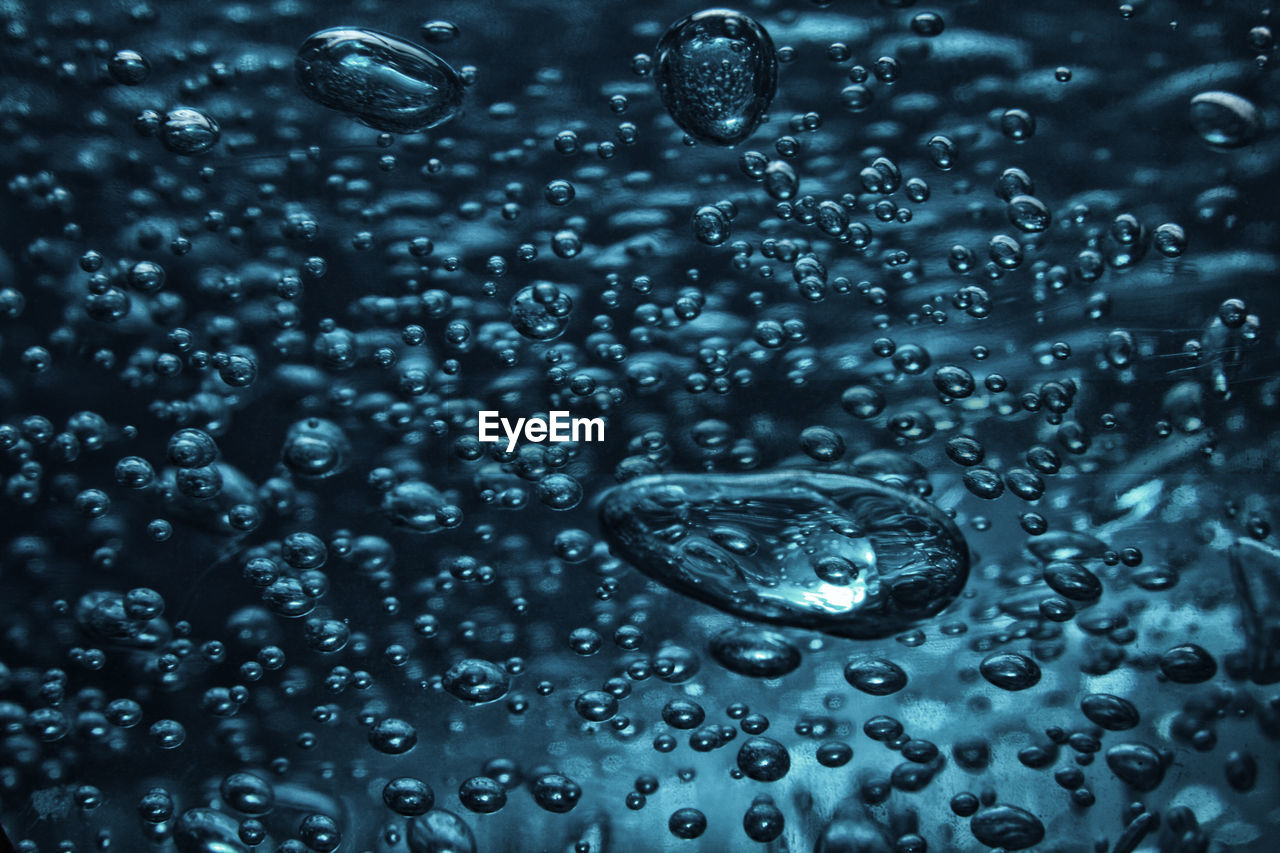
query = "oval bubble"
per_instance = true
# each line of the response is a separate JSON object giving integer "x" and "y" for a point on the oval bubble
{"x": 908, "y": 560}
{"x": 381, "y": 81}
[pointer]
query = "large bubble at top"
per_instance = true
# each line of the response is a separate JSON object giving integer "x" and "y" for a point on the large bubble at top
{"x": 384, "y": 82}
{"x": 717, "y": 74}
{"x": 824, "y": 551}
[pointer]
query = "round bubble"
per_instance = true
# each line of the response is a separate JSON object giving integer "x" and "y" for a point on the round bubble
{"x": 477, "y": 682}
{"x": 188, "y": 131}
{"x": 717, "y": 73}
{"x": 540, "y": 312}
{"x": 1225, "y": 120}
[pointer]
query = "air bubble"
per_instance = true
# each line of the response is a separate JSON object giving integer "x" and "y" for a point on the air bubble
{"x": 477, "y": 682}
{"x": 855, "y": 518}
{"x": 381, "y": 81}
{"x": 717, "y": 74}
{"x": 1225, "y": 120}
{"x": 188, "y": 131}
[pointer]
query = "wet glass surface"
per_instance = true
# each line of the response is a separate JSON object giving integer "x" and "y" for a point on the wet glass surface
{"x": 935, "y": 353}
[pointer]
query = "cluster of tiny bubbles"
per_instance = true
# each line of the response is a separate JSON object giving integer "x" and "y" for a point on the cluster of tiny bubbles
{"x": 933, "y": 353}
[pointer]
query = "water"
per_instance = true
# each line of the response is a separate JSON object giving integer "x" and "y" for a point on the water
{"x": 936, "y": 351}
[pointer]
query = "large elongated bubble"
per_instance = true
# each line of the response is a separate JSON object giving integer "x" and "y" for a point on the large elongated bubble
{"x": 825, "y": 551}
{"x": 382, "y": 81}
{"x": 1255, "y": 572}
{"x": 717, "y": 74}
{"x": 206, "y": 831}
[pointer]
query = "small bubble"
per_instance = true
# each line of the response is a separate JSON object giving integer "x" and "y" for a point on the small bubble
{"x": 927, "y": 24}
{"x": 129, "y": 67}
{"x": 188, "y": 131}
{"x": 1017, "y": 124}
